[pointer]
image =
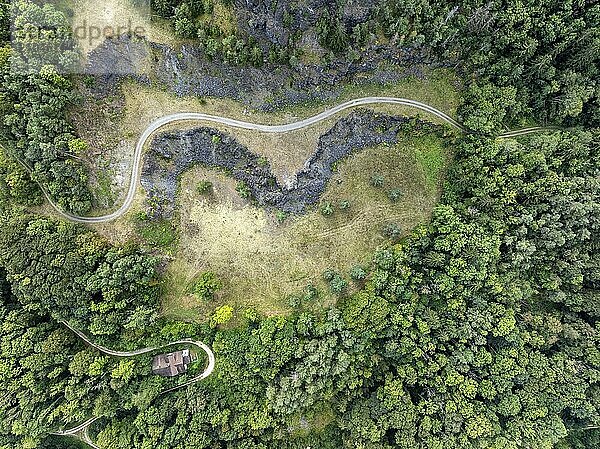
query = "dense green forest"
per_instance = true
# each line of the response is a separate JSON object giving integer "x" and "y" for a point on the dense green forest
{"x": 34, "y": 98}
{"x": 59, "y": 268}
{"x": 531, "y": 56}
{"x": 49, "y": 379}
{"x": 478, "y": 330}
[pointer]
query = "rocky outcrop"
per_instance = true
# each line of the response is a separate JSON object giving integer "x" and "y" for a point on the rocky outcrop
{"x": 171, "y": 153}
{"x": 186, "y": 71}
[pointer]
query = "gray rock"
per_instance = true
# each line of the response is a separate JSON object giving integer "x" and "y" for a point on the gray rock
{"x": 171, "y": 153}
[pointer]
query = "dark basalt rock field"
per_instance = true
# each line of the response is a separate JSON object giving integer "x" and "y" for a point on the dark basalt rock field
{"x": 171, "y": 153}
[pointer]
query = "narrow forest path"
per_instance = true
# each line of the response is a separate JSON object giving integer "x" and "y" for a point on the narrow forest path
{"x": 81, "y": 431}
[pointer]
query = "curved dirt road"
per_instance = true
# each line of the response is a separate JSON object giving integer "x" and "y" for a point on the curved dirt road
{"x": 207, "y": 372}
{"x": 196, "y": 116}
{"x": 81, "y": 431}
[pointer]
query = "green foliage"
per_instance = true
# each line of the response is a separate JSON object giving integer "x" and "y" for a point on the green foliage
{"x": 555, "y": 172}
{"x": 433, "y": 159}
{"x": 73, "y": 274}
{"x": 337, "y": 283}
{"x": 327, "y": 208}
{"x": 358, "y": 273}
{"x": 243, "y": 189}
{"x": 195, "y": 20}
{"x": 206, "y": 286}
{"x": 332, "y": 33}
{"x": 16, "y": 184}
{"x": 204, "y": 187}
{"x": 478, "y": 330}
{"x": 50, "y": 380}
{"x": 540, "y": 56}
{"x": 222, "y": 315}
{"x": 392, "y": 231}
{"x": 377, "y": 180}
{"x": 4, "y": 20}
{"x": 486, "y": 107}
{"x": 184, "y": 26}
{"x": 157, "y": 233}
{"x": 281, "y": 216}
{"x": 395, "y": 195}
{"x": 37, "y": 98}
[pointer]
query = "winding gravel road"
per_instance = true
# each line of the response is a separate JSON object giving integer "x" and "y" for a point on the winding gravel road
{"x": 196, "y": 116}
{"x": 81, "y": 431}
{"x": 207, "y": 372}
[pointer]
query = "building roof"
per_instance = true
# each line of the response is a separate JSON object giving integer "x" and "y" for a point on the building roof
{"x": 172, "y": 364}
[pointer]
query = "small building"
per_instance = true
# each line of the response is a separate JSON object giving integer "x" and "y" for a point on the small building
{"x": 172, "y": 364}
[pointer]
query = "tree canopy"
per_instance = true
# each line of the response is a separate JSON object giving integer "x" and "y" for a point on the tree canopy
{"x": 478, "y": 330}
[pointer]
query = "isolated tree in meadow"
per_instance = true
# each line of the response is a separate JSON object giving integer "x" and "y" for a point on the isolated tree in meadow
{"x": 206, "y": 286}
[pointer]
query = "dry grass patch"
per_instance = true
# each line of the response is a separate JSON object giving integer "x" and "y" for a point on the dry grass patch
{"x": 222, "y": 17}
{"x": 145, "y": 104}
{"x": 261, "y": 262}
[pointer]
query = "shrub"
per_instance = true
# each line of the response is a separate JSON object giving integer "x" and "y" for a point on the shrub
{"x": 377, "y": 180}
{"x": 281, "y": 216}
{"x": 395, "y": 195}
{"x": 204, "y": 187}
{"x": 392, "y": 231}
{"x": 337, "y": 283}
{"x": 310, "y": 293}
{"x": 156, "y": 233}
{"x": 358, "y": 273}
{"x": 251, "y": 315}
{"x": 142, "y": 215}
{"x": 222, "y": 315}
{"x": 206, "y": 286}
{"x": 243, "y": 189}
{"x": 344, "y": 205}
{"x": 329, "y": 274}
{"x": 294, "y": 301}
{"x": 327, "y": 208}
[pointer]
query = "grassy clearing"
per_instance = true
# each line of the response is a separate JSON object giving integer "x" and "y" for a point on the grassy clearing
{"x": 157, "y": 233}
{"x": 145, "y": 104}
{"x": 285, "y": 152}
{"x": 433, "y": 162}
{"x": 108, "y": 156}
{"x": 437, "y": 88}
{"x": 222, "y": 17}
{"x": 261, "y": 262}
